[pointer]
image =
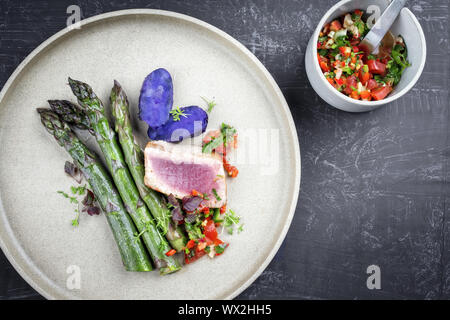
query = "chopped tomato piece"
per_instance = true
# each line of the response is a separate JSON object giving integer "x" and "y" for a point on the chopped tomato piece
{"x": 232, "y": 170}
{"x": 381, "y": 92}
{"x": 372, "y": 84}
{"x": 354, "y": 95}
{"x": 376, "y": 67}
{"x": 365, "y": 95}
{"x": 358, "y": 12}
{"x": 210, "y": 230}
{"x": 364, "y": 77}
{"x": 355, "y": 49}
{"x": 355, "y": 42}
{"x": 171, "y": 252}
{"x": 351, "y": 84}
{"x": 340, "y": 81}
{"x": 190, "y": 244}
{"x": 223, "y": 209}
{"x": 214, "y": 134}
{"x": 331, "y": 81}
{"x": 194, "y": 255}
{"x": 194, "y": 193}
{"x": 202, "y": 245}
{"x": 324, "y": 66}
{"x": 335, "y": 25}
{"x": 345, "y": 51}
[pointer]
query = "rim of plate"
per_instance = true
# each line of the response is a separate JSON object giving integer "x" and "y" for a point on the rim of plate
{"x": 221, "y": 34}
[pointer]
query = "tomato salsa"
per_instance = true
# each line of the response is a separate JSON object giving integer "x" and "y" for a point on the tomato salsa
{"x": 349, "y": 69}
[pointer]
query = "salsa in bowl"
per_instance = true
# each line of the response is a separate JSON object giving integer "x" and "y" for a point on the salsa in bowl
{"x": 405, "y": 25}
{"x": 349, "y": 69}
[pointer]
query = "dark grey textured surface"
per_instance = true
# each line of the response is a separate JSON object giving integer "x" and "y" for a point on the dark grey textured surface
{"x": 375, "y": 186}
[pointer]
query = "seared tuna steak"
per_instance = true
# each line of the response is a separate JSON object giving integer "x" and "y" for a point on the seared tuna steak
{"x": 175, "y": 169}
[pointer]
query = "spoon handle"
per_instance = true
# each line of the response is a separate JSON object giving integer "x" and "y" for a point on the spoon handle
{"x": 373, "y": 38}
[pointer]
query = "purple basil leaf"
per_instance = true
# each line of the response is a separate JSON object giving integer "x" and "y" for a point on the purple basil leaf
{"x": 192, "y": 124}
{"x": 173, "y": 201}
{"x": 89, "y": 199}
{"x": 156, "y": 98}
{"x": 93, "y": 211}
{"x": 73, "y": 171}
{"x": 191, "y": 203}
{"x": 177, "y": 214}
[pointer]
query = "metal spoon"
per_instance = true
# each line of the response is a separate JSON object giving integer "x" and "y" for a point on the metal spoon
{"x": 372, "y": 40}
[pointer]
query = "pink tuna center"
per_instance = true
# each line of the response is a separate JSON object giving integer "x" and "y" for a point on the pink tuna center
{"x": 185, "y": 177}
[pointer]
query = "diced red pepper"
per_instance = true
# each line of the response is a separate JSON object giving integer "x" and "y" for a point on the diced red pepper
{"x": 194, "y": 193}
{"x": 223, "y": 209}
{"x": 358, "y": 12}
{"x": 171, "y": 252}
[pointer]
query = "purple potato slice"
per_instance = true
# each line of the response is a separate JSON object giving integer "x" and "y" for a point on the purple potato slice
{"x": 156, "y": 98}
{"x": 192, "y": 123}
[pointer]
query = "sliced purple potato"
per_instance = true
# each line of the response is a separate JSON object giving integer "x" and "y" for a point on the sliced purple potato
{"x": 156, "y": 98}
{"x": 191, "y": 124}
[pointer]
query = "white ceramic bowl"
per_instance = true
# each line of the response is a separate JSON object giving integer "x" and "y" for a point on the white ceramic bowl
{"x": 405, "y": 25}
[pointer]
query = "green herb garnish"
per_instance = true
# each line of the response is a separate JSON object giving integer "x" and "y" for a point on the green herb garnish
{"x": 177, "y": 113}
{"x": 81, "y": 190}
{"x": 231, "y": 219}
{"x": 75, "y": 222}
{"x": 323, "y": 52}
{"x": 214, "y": 191}
{"x": 211, "y": 104}
{"x": 219, "y": 249}
{"x": 226, "y": 136}
{"x": 213, "y": 144}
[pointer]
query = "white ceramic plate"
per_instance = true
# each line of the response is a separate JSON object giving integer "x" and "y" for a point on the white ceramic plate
{"x": 35, "y": 230}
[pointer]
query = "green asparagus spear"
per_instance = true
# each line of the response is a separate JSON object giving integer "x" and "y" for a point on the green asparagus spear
{"x": 134, "y": 256}
{"x": 134, "y": 157}
{"x": 107, "y": 140}
{"x": 70, "y": 112}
